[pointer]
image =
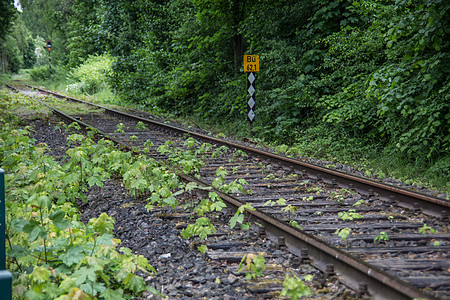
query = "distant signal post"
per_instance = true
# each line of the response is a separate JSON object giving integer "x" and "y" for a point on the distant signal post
{"x": 49, "y": 49}
{"x": 251, "y": 65}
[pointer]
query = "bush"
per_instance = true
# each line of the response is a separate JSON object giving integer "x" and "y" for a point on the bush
{"x": 90, "y": 77}
{"x": 41, "y": 73}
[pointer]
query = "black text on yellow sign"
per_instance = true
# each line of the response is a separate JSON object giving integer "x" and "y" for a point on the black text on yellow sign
{"x": 251, "y": 63}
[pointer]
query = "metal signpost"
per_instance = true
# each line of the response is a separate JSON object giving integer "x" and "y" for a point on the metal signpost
{"x": 49, "y": 49}
{"x": 251, "y": 65}
{"x": 5, "y": 276}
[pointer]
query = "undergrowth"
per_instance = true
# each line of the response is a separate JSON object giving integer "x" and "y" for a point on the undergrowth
{"x": 51, "y": 253}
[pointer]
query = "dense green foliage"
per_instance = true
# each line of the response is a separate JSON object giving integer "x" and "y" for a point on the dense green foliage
{"x": 91, "y": 76}
{"x": 372, "y": 70}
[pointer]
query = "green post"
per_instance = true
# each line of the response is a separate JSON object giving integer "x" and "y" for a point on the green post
{"x": 5, "y": 276}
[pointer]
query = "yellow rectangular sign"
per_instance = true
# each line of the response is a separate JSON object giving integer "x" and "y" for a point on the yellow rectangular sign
{"x": 251, "y": 63}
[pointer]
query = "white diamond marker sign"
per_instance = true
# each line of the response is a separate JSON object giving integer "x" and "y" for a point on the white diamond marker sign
{"x": 251, "y": 77}
{"x": 251, "y": 90}
{"x": 251, "y": 115}
{"x": 251, "y": 103}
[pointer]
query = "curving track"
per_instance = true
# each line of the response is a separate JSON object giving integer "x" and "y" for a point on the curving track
{"x": 411, "y": 258}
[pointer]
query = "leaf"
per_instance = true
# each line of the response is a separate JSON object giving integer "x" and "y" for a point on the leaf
{"x": 71, "y": 177}
{"x": 17, "y": 251}
{"x": 186, "y": 232}
{"x": 37, "y": 232}
{"x": 134, "y": 283}
{"x": 170, "y": 201}
{"x": 126, "y": 251}
{"x": 202, "y": 249}
{"x": 112, "y": 294}
{"x": 203, "y": 231}
{"x": 58, "y": 219}
{"x": 237, "y": 218}
{"x": 269, "y": 202}
{"x": 190, "y": 186}
{"x": 105, "y": 239}
{"x": 67, "y": 284}
{"x": 217, "y": 182}
{"x": 245, "y": 226}
{"x": 213, "y": 196}
{"x": 84, "y": 275}
{"x": 143, "y": 264}
{"x": 103, "y": 224}
{"x": 44, "y": 202}
{"x": 28, "y": 226}
{"x": 73, "y": 256}
{"x": 95, "y": 180}
{"x": 93, "y": 288}
{"x": 155, "y": 291}
{"x": 218, "y": 205}
{"x": 19, "y": 224}
{"x": 77, "y": 294}
{"x": 33, "y": 295}
{"x": 40, "y": 275}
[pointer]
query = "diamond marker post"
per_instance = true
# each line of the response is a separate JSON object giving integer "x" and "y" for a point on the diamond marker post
{"x": 251, "y": 101}
{"x": 251, "y": 65}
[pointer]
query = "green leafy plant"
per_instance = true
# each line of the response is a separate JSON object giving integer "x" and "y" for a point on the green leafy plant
{"x": 359, "y": 202}
{"x": 426, "y": 229}
{"x": 336, "y": 196}
{"x": 235, "y": 186}
{"x": 239, "y": 155}
{"x": 315, "y": 190}
{"x": 349, "y": 215}
{"x": 238, "y": 217}
{"x": 280, "y": 202}
{"x": 202, "y": 249}
{"x": 382, "y": 236}
{"x": 256, "y": 264}
{"x": 295, "y": 288}
{"x": 185, "y": 161}
{"x": 291, "y": 209}
{"x": 120, "y": 128}
{"x": 295, "y": 224}
{"x": 219, "y": 151}
{"x": 343, "y": 233}
{"x": 202, "y": 227}
{"x": 308, "y": 199}
{"x": 140, "y": 126}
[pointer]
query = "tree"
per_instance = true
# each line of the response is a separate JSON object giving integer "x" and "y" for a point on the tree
{"x": 7, "y": 14}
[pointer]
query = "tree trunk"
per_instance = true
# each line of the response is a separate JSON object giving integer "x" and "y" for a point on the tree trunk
{"x": 238, "y": 13}
{"x": 4, "y": 59}
{"x": 238, "y": 51}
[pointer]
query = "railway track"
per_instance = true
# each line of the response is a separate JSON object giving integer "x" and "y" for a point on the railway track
{"x": 392, "y": 243}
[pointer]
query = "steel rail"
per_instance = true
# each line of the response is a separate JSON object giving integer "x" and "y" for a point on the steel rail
{"x": 380, "y": 284}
